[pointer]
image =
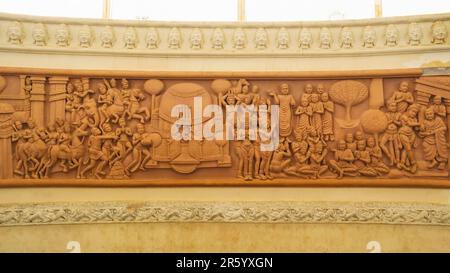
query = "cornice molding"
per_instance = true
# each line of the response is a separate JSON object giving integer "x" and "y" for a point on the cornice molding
{"x": 151, "y": 23}
{"x": 295, "y": 47}
{"x": 225, "y": 212}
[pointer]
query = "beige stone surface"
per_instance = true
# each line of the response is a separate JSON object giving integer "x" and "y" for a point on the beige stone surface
{"x": 230, "y": 237}
{"x": 45, "y": 195}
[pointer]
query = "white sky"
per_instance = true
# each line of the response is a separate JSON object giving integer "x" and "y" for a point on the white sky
{"x": 224, "y": 10}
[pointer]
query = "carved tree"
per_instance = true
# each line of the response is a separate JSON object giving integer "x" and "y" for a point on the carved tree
{"x": 374, "y": 122}
{"x": 153, "y": 87}
{"x": 348, "y": 93}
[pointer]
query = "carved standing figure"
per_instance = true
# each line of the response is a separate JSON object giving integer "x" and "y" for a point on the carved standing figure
{"x": 246, "y": 152}
{"x": 304, "y": 113}
{"x": 407, "y": 138}
{"x": 402, "y": 97}
{"x": 286, "y": 101}
{"x": 318, "y": 111}
{"x": 327, "y": 118}
{"x": 434, "y": 142}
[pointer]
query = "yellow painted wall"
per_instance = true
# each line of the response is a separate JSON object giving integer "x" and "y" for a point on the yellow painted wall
{"x": 229, "y": 237}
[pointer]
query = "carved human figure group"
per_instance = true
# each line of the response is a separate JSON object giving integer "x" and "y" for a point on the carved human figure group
{"x": 108, "y": 132}
{"x": 94, "y": 134}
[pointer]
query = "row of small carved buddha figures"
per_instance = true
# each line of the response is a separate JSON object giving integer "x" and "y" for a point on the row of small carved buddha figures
{"x": 239, "y": 40}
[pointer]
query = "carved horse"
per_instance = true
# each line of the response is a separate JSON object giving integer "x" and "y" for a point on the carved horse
{"x": 134, "y": 108}
{"x": 33, "y": 150}
{"x": 115, "y": 110}
{"x": 74, "y": 156}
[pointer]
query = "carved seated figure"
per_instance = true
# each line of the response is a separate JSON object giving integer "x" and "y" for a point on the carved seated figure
{"x": 376, "y": 157}
{"x": 342, "y": 164}
{"x": 318, "y": 154}
{"x": 281, "y": 157}
{"x": 350, "y": 142}
{"x": 302, "y": 156}
{"x": 363, "y": 160}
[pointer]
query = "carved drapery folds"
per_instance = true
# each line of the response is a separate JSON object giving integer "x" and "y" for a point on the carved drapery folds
{"x": 118, "y": 128}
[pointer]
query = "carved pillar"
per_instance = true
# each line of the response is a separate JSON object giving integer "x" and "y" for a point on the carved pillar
{"x": 57, "y": 98}
{"x": 6, "y": 161}
{"x": 423, "y": 99}
{"x": 26, "y": 103}
{"x": 447, "y": 104}
{"x": 38, "y": 100}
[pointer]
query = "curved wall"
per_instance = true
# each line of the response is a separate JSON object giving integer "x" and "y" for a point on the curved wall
{"x": 341, "y": 219}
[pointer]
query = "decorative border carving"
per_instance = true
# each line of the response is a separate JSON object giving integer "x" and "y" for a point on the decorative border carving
{"x": 378, "y": 36}
{"x": 225, "y": 212}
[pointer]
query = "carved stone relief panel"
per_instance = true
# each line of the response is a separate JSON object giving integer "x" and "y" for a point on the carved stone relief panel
{"x": 78, "y": 127}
